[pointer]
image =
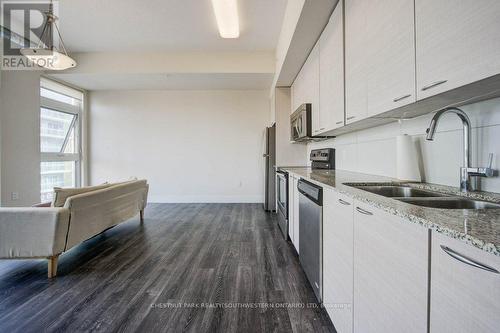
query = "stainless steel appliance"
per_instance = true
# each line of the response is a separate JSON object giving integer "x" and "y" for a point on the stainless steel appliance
{"x": 311, "y": 234}
{"x": 270, "y": 161}
{"x": 282, "y": 201}
{"x": 301, "y": 125}
{"x": 322, "y": 158}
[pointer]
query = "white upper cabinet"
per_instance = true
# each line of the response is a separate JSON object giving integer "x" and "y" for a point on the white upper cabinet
{"x": 391, "y": 53}
{"x": 331, "y": 77}
{"x": 311, "y": 86}
{"x": 297, "y": 91}
{"x": 380, "y": 56}
{"x": 356, "y": 60}
{"x": 305, "y": 88}
{"x": 458, "y": 42}
{"x": 464, "y": 298}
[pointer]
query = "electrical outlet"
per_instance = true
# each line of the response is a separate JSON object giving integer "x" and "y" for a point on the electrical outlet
{"x": 14, "y": 196}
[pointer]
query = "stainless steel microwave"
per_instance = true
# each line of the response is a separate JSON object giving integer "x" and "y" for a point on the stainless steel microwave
{"x": 301, "y": 123}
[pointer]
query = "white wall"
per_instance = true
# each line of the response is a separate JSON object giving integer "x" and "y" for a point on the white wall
{"x": 192, "y": 146}
{"x": 373, "y": 150}
{"x": 287, "y": 153}
{"x": 20, "y": 142}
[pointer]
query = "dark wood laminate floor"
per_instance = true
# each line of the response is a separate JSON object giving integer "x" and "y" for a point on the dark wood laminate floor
{"x": 159, "y": 277}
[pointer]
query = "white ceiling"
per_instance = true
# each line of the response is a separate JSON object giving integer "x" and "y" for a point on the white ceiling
{"x": 165, "y": 25}
{"x": 184, "y": 81}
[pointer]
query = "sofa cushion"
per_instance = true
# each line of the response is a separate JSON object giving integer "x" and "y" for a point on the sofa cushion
{"x": 61, "y": 194}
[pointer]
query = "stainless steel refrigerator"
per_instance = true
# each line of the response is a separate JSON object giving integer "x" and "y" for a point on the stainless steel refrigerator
{"x": 270, "y": 161}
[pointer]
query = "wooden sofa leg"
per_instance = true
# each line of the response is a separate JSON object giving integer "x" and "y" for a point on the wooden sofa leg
{"x": 52, "y": 266}
{"x": 141, "y": 213}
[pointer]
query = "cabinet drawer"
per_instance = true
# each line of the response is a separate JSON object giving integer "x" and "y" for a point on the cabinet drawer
{"x": 464, "y": 297}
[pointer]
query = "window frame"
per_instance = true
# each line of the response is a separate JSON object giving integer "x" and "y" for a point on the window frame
{"x": 77, "y": 111}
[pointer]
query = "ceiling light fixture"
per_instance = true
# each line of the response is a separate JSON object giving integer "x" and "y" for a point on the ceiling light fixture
{"x": 226, "y": 14}
{"x": 49, "y": 57}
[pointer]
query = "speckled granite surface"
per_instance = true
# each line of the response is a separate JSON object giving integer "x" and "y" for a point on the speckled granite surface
{"x": 480, "y": 228}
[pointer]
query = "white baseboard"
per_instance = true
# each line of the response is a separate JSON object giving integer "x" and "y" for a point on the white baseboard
{"x": 206, "y": 199}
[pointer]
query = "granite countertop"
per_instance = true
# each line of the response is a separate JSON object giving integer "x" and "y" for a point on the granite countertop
{"x": 480, "y": 228}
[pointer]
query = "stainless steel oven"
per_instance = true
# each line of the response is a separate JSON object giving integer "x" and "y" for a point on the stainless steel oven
{"x": 282, "y": 201}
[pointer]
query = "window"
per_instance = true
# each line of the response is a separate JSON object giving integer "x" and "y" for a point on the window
{"x": 60, "y": 137}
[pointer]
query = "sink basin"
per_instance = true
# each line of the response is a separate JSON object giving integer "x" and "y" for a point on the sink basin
{"x": 450, "y": 203}
{"x": 425, "y": 198}
{"x": 396, "y": 191}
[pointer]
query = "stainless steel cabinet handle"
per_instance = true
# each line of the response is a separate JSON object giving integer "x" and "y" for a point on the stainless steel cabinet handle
{"x": 339, "y": 122}
{"x": 434, "y": 84}
{"x": 321, "y": 129}
{"x": 344, "y": 202}
{"x": 468, "y": 261}
{"x": 397, "y": 99}
{"x": 352, "y": 117}
{"x": 362, "y": 211}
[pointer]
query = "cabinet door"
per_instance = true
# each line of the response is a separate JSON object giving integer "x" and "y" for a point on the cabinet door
{"x": 297, "y": 92}
{"x": 296, "y": 232}
{"x": 390, "y": 272}
{"x": 380, "y": 56}
{"x": 463, "y": 298}
{"x": 331, "y": 77}
{"x": 458, "y": 42}
{"x": 390, "y": 46}
{"x": 311, "y": 85}
{"x": 338, "y": 259}
{"x": 291, "y": 216}
{"x": 356, "y": 60}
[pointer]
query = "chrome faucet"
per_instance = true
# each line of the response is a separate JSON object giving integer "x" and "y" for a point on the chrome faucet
{"x": 466, "y": 172}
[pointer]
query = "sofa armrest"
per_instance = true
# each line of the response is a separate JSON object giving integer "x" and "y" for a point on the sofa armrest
{"x": 33, "y": 232}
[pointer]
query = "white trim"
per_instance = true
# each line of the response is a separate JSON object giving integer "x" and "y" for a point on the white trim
{"x": 77, "y": 110}
{"x": 84, "y": 160}
{"x": 258, "y": 198}
{"x": 51, "y": 104}
{"x": 56, "y": 157}
{"x": 61, "y": 88}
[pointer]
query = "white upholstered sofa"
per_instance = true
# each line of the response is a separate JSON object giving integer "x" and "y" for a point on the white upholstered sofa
{"x": 74, "y": 216}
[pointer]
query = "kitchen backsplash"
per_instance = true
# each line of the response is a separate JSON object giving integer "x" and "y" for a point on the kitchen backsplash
{"x": 373, "y": 150}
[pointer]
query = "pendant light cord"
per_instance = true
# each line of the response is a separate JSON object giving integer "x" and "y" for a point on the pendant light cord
{"x": 60, "y": 38}
{"x": 51, "y": 19}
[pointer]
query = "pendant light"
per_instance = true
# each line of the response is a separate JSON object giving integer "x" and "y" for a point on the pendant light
{"x": 49, "y": 57}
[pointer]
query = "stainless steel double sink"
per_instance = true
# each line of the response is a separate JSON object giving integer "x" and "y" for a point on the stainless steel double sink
{"x": 426, "y": 198}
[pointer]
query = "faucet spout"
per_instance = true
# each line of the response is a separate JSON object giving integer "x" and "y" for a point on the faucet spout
{"x": 465, "y": 184}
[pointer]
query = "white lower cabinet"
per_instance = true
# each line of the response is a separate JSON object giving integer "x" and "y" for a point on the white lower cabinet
{"x": 338, "y": 259}
{"x": 390, "y": 272}
{"x": 290, "y": 206}
{"x": 293, "y": 210}
{"x": 376, "y": 275}
{"x": 465, "y": 292}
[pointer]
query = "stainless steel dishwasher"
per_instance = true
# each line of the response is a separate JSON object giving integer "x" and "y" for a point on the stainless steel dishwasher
{"x": 311, "y": 234}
